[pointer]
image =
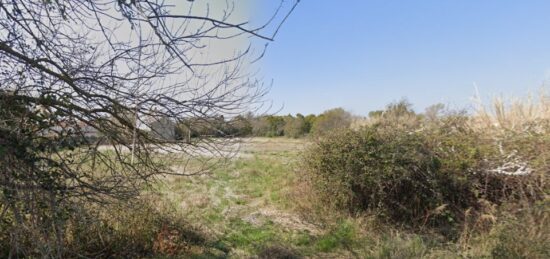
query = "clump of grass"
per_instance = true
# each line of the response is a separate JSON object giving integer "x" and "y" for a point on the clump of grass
{"x": 267, "y": 240}
{"x": 343, "y": 235}
{"x": 515, "y": 115}
{"x": 247, "y": 236}
{"x": 399, "y": 247}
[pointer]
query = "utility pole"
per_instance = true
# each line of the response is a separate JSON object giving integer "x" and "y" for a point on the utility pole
{"x": 134, "y": 134}
{"x": 136, "y": 104}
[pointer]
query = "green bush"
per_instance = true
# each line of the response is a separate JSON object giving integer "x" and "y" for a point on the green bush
{"x": 425, "y": 176}
{"x": 396, "y": 177}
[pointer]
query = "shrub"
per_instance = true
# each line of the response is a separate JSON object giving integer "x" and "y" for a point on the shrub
{"x": 423, "y": 176}
{"x": 396, "y": 177}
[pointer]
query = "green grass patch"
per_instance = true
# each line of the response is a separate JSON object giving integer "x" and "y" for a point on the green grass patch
{"x": 344, "y": 235}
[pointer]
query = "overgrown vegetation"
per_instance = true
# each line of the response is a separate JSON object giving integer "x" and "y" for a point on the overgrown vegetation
{"x": 440, "y": 187}
{"x": 138, "y": 228}
{"x": 420, "y": 176}
{"x": 403, "y": 185}
{"x": 443, "y": 174}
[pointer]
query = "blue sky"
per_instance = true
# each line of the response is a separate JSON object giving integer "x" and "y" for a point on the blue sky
{"x": 362, "y": 55}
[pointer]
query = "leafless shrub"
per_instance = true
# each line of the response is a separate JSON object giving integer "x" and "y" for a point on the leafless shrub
{"x": 77, "y": 74}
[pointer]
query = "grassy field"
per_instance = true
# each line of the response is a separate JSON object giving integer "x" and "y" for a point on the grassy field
{"x": 264, "y": 201}
{"x": 245, "y": 207}
{"x": 255, "y": 206}
{"x": 261, "y": 204}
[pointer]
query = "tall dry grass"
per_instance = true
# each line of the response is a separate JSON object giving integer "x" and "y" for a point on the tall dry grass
{"x": 518, "y": 115}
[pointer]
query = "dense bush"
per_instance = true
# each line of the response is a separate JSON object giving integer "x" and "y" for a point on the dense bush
{"x": 423, "y": 176}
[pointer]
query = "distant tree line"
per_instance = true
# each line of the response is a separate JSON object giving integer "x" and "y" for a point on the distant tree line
{"x": 166, "y": 130}
{"x": 293, "y": 126}
{"x": 250, "y": 125}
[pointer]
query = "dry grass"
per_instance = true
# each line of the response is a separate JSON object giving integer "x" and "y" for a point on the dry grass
{"x": 260, "y": 145}
{"x": 513, "y": 114}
